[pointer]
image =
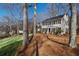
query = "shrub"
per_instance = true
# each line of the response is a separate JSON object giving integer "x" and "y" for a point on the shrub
{"x": 58, "y": 31}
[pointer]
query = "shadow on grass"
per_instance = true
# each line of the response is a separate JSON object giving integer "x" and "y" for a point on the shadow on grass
{"x": 10, "y": 50}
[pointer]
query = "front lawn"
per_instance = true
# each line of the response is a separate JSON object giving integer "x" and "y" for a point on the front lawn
{"x": 8, "y": 46}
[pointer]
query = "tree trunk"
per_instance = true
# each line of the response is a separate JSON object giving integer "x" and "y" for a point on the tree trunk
{"x": 73, "y": 27}
{"x": 17, "y": 28}
{"x": 34, "y": 20}
{"x": 34, "y": 26}
{"x": 25, "y": 25}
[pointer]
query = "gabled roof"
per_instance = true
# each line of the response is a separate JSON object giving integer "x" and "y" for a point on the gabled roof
{"x": 53, "y": 18}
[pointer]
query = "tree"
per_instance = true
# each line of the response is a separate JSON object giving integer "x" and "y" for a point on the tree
{"x": 12, "y": 13}
{"x": 55, "y": 9}
{"x": 52, "y": 9}
{"x": 25, "y": 25}
{"x": 12, "y": 10}
{"x": 72, "y": 26}
{"x": 34, "y": 20}
{"x": 9, "y": 21}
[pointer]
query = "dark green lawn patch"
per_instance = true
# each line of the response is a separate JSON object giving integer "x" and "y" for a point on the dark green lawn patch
{"x": 11, "y": 49}
{"x": 8, "y": 47}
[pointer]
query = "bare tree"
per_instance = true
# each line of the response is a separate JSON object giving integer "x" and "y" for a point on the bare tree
{"x": 52, "y": 9}
{"x": 72, "y": 25}
{"x": 34, "y": 20}
{"x": 25, "y": 25}
{"x": 12, "y": 9}
{"x": 12, "y": 13}
{"x": 9, "y": 21}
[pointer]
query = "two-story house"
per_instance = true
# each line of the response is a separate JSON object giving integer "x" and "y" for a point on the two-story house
{"x": 53, "y": 24}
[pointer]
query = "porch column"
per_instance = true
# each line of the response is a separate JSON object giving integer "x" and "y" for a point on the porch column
{"x": 47, "y": 30}
{"x": 50, "y": 30}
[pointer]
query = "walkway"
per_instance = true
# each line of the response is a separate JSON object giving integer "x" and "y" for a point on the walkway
{"x": 49, "y": 45}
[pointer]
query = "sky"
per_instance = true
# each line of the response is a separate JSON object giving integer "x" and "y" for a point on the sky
{"x": 42, "y": 10}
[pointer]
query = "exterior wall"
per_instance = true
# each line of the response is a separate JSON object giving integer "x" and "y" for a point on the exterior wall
{"x": 64, "y": 24}
{"x": 50, "y": 27}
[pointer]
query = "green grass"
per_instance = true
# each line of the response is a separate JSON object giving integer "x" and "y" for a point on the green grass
{"x": 8, "y": 46}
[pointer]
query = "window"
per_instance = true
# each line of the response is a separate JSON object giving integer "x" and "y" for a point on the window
{"x": 59, "y": 21}
{"x": 53, "y": 22}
